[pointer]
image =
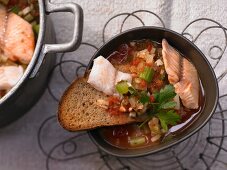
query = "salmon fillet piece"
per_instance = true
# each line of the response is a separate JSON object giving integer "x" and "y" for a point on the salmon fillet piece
{"x": 171, "y": 59}
{"x": 19, "y": 39}
{"x": 188, "y": 86}
{"x": 3, "y": 17}
{"x": 183, "y": 76}
{"x": 9, "y": 76}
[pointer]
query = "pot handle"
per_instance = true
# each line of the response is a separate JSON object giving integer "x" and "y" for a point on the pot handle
{"x": 77, "y": 11}
{"x": 78, "y": 26}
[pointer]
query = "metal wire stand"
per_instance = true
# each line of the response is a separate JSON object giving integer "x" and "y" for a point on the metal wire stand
{"x": 204, "y": 150}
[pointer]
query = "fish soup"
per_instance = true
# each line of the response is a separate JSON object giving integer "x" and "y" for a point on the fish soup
{"x": 164, "y": 90}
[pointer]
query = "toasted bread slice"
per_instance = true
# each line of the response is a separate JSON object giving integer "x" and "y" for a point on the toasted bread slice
{"x": 78, "y": 109}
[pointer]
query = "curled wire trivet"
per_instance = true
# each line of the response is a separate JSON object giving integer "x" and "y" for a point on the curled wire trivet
{"x": 204, "y": 150}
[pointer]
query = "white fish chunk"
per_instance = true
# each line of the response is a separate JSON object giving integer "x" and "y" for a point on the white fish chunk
{"x": 159, "y": 62}
{"x": 9, "y": 76}
{"x": 102, "y": 75}
{"x": 123, "y": 76}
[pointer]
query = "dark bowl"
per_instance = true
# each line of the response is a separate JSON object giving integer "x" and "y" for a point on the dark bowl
{"x": 205, "y": 71}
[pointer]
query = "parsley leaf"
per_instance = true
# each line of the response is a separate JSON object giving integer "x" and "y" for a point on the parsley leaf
{"x": 168, "y": 118}
{"x": 15, "y": 9}
{"x": 144, "y": 98}
{"x": 163, "y": 106}
{"x": 132, "y": 91}
{"x": 165, "y": 94}
{"x": 156, "y": 95}
{"x": 167, "y": 105}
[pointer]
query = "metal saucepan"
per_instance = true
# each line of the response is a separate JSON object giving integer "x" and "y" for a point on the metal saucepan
{"x": 31, "y": 86}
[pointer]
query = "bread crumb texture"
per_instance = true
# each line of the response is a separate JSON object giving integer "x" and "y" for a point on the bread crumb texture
{"x": 78, "y": 109}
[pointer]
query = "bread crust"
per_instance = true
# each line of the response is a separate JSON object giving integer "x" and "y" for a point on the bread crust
{"x": 78, "y": 109}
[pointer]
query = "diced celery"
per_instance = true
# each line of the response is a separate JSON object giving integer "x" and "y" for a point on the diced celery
{"x": 33, "y": 23}
{"x": 20, "y": 13}
{"x": 122, "y": 87}
{"x": 31, "y": 7}
{"x": 26, "y": 10}
{"x": 147, "y": 74}
{"x": 145, "y": 129}
{"x": 36, "y": 28}
{"x": 132, "y": 90}
{"x": 137, "y": 141}
{"x": 29, "y": 17}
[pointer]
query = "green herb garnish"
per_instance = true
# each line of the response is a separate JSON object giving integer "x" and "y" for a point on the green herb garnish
{"x": 132, "y": 91}
{"x": 165, "y": 94}
{"x": 163, "y": 107}
{"x": 167, "y": 105}
{"x": 144, "y": 98}
{"x": 168, "y": 118}
{"x": 15, "y": 9}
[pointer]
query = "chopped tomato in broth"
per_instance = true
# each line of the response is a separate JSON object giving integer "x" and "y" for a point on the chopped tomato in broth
{"x": 119, "y": 136}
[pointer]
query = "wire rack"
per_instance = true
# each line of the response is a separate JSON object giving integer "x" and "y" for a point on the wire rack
{"x": 204, "y": 150}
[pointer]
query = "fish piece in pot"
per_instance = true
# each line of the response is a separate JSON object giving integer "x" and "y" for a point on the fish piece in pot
{"x": 183, "y": 76}
{"x": 19, "y": 39}
{"x": 3, "y": 16}
{"x": 9, "y": 76}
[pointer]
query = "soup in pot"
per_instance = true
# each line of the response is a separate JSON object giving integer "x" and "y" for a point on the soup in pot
{"x": 19, "y": 28}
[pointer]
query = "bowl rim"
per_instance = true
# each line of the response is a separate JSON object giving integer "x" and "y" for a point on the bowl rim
{"x": 90, "y": 132}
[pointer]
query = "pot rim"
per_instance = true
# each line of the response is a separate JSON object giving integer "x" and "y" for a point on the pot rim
{"x": 35, "y": 56}
{"x": 90, "y": 132}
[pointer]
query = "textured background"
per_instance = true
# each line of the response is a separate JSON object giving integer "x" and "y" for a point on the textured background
{"x": 18, "y": 142}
